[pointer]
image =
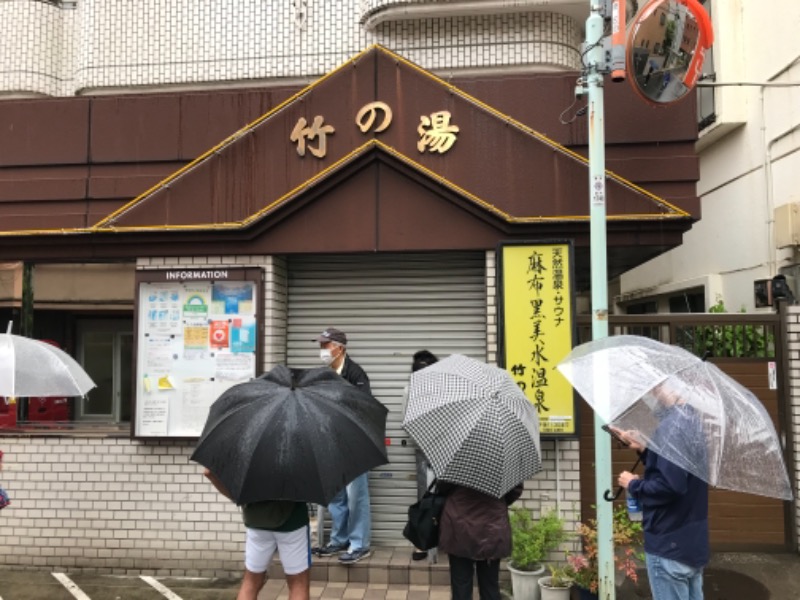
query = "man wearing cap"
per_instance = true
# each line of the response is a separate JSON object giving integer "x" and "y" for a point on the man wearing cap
{"x": 351, "y": 524}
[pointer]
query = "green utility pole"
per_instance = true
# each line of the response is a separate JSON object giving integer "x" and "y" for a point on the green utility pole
{"x": 595, "y": 60}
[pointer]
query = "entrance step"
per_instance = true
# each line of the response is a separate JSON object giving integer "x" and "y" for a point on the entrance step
{"x": 385, "y": 566}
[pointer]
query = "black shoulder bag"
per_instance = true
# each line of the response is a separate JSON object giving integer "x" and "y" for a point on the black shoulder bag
{"x": 422, "y": 528}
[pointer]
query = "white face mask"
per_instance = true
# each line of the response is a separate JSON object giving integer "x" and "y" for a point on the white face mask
{"x": 326, "y": 356}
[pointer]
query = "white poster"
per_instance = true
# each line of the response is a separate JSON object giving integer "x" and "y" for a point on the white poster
{"x": 195, "y": 340}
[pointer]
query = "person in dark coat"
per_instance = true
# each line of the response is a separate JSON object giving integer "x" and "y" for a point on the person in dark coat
{"x": 351, "y": 524}
{"x": 420, "y": 360}
{"x": 476, "y": 534}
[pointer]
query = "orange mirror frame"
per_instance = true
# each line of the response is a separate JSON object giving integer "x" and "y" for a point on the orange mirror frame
{"x": 666, "y": 47}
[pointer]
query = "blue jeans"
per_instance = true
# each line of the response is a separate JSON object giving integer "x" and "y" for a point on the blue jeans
{"x": 671, "y": 580}
{"x": 350, "y": 515}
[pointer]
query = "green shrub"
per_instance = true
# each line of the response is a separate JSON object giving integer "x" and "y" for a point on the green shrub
{"x": 531, "y": 540}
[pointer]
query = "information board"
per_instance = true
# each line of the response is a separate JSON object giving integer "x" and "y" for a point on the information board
{"x": 196, "y": 336}
{"x": 536, "y": 328}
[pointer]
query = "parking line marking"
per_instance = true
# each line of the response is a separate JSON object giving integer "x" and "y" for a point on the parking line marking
{"x": 70, "y": 585}
{"x": 165, "y": 591}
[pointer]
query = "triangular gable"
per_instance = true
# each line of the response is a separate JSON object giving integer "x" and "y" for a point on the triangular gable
{"x": 496, "y": 163}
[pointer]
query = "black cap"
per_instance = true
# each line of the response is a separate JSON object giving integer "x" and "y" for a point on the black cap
{"x": 331, "y": 334}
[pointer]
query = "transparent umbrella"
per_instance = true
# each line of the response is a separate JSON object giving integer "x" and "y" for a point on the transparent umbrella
{"x": 683, "y": 408}
{"x": 33, "y": 368}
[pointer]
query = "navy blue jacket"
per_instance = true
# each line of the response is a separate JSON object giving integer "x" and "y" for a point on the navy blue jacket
{"x": 352, "y": 372}
{"x": 675, "y": 511}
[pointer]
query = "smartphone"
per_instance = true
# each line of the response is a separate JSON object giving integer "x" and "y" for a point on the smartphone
{"x": 614, "y": 434}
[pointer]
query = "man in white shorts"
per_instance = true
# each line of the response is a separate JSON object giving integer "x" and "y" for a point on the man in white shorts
{"x": 271, "y": 526}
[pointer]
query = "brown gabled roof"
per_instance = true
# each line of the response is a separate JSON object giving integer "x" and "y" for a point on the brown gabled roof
{"x": 497, "y": 164}
{"x": 71, "y": 166}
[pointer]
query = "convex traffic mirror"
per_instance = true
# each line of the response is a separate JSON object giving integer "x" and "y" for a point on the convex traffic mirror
{"x": 665, "y": 49}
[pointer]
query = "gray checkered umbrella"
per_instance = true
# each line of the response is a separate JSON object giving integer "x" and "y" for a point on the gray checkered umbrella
{"x": 474, "y": 425}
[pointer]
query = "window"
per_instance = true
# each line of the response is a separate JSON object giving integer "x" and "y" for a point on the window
{"x": 642, "y": 308}
{"x": 105, "y": 349}
{"x": 690, "y": 301}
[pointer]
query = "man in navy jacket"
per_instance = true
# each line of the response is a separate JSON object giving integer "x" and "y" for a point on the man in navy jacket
{"x": 674, "y": 506}
{"x": 351, "y": 523}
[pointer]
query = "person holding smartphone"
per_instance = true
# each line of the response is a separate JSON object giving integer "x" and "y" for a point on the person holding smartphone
{"x": 675, "y": 509}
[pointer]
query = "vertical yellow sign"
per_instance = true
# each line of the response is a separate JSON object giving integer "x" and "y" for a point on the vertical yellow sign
{"x": 537, "y": 328}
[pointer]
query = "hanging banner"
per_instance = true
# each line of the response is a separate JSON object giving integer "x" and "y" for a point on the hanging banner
{"x": 196, "y": 333}
{"x": 535, "y": 327}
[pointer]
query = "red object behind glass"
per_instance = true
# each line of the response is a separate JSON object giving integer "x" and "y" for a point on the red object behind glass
{"x": 51, "y": 408}
{"x": 8, "y": 413}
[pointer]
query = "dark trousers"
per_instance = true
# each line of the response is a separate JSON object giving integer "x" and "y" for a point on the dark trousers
{"x": 462, "y": 572}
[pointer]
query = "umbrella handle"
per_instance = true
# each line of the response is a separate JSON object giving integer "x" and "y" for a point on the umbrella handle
{"x": 607, "y": 494}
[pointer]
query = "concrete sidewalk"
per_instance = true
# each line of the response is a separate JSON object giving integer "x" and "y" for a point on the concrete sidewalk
{"x": 779, "y": 574}
{"x": 276, "y": 590}
{"x": 730, "y": 576}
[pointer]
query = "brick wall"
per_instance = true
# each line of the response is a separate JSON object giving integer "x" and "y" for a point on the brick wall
{"x": 89, "y": 46}
{"x": 112, "y": 504}
{"x": 116, "y": 505}
{"x": 793, "y": 379}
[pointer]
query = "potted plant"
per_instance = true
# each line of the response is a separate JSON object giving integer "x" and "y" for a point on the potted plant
{"x": 583, "y": 568}
{"x": 557, "y": 585}
{"x": 531, "y": 541}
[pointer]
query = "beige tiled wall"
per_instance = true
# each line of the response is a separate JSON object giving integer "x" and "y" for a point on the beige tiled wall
{"x": 91, "y": 46}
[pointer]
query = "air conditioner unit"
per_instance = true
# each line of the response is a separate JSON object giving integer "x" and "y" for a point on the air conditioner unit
{"x": 787, "y": 225}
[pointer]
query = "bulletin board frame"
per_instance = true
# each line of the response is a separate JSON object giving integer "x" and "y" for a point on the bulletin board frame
{"x": 197, "y": 332}
{"x": 535, "y": 299}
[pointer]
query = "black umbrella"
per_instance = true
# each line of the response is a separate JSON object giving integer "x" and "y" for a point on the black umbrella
{"x": 292, "y": 434}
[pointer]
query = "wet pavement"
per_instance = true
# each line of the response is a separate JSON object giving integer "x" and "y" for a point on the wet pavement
{"x": 730, "y": 576}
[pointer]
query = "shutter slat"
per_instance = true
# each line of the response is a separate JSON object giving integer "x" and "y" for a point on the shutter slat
{"x": 390, "y": 306}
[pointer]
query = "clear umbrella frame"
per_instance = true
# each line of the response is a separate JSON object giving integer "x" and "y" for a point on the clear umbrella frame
{"x": 31, "y": 367}
{"x": 683, "y": 408}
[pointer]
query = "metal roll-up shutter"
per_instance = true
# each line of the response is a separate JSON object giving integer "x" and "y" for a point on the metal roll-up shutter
{"x": 390, "y": 306}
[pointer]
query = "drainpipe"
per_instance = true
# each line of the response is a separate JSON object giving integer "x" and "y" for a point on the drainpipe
{"x": 767, "y": 163}
{"x": 450, "y": 9}
{"x": 770, "y": 193}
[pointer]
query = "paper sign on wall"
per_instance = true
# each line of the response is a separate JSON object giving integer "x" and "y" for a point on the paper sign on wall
{"x": 195, "y": 339}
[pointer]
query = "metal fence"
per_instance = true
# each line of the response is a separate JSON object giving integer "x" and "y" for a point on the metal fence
{"x": 719, "y": 336}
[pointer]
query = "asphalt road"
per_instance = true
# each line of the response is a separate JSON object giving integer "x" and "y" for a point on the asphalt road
{"x": 39, "y": 585}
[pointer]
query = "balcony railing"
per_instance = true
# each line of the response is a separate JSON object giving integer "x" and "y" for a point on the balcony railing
{"x": 375, "y": 12}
